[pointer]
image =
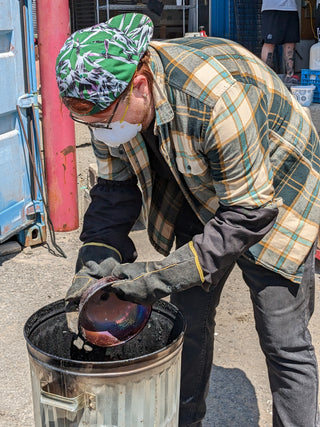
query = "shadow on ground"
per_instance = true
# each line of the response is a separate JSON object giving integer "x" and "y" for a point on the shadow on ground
{"x": 232, "y": 400}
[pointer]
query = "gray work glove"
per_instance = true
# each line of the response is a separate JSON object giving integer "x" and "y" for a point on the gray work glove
{"x": 95, "y": 260}
{"x": 147, "y": 282}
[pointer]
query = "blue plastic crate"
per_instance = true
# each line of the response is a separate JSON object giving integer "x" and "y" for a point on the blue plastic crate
{"x": 312, "y": 77}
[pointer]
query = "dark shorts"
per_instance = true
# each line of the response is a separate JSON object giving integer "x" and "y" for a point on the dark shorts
{"x": 279, "y": 27}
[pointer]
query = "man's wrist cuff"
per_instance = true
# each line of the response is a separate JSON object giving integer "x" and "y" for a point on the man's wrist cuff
{"x": 104, "y": 245}
{"x": 197, "y": 262}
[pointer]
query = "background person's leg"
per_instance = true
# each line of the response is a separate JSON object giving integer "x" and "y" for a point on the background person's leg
{"x": 267, "y": 54}
{"x": 282, "y": 312}
{"x": 288, "y": 57}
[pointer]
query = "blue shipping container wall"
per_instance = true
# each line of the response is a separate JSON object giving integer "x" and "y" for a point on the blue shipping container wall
{"x": 21, "y": 207}
{"x": 238, "y": 20}
{"x": 222, "y": 19}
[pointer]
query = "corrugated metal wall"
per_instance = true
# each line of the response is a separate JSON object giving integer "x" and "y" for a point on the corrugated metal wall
{"x": 247, "y": 18}
{"x": 82, "y": 14}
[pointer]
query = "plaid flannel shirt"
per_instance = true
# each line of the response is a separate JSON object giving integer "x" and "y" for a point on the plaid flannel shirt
{"x": 233, "y": 134}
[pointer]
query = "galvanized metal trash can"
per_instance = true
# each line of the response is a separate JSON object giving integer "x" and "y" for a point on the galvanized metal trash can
{"x": 135, "y": 384}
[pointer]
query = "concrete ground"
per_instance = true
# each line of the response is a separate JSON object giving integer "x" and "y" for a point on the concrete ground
{"x": 239, "y": 395}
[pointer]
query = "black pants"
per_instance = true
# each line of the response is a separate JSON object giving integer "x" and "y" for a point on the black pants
{"x": 282, "y": 312}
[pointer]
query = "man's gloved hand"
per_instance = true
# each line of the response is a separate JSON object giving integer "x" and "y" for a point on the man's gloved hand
{"x": 147, "y": 282}
{"x": 95, "y": 260}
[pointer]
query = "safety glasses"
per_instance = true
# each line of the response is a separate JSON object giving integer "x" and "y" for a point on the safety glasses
{"x": 100, "y": 125}
{"x": 106, "y": 125}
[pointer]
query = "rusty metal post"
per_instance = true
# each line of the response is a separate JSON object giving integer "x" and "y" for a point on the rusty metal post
{"x": 53, "y": 20}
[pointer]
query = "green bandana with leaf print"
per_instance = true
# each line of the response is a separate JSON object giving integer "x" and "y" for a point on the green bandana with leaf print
{"x": 97, "y": 63}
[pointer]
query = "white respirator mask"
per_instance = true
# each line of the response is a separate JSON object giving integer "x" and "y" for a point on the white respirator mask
{"x": 118, "y": 132}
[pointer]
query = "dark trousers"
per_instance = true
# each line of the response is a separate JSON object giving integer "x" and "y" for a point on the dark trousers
{"x": 282, "y": 312}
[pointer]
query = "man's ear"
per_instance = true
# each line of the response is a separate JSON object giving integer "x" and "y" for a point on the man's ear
{"x": 140, "y": 86}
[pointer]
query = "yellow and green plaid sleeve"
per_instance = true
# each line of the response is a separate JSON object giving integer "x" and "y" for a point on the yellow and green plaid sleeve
{"x": 237, "y": 145}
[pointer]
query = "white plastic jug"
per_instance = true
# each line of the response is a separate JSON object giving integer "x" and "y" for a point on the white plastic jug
{"x": 314, "y": 62}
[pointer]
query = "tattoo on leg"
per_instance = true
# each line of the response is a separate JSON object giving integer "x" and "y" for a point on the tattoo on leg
{"x": 270, "y": 59}
{"x": 289, "y": 62}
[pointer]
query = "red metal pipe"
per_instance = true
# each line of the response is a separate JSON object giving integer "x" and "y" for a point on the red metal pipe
{"x": 53, "y": 23}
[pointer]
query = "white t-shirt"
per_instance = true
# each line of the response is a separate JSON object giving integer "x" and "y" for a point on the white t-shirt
{"x": 288, "y": 5}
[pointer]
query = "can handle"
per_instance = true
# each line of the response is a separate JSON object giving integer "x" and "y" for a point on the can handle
{"x": 71, "y": 404}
